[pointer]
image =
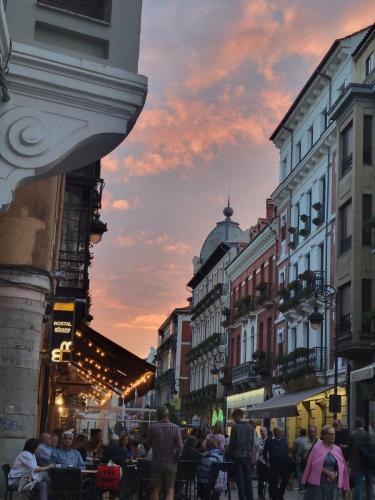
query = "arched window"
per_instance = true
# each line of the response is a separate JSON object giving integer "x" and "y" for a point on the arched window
{"x": 252, "y": 341}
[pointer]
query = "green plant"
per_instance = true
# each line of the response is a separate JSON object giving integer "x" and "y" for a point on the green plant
{"x": 317, "y": 221}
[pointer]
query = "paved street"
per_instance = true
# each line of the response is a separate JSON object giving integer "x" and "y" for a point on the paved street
{"x": 289, "y": 495}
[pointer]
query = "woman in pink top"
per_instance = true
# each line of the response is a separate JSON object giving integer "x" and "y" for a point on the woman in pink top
{"x": 218, "y": 435}
{"x": 326, "y": 472}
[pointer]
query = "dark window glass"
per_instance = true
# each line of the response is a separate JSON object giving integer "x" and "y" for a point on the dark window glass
{"x": 308, "y": 207}
{"x": 298, "y": 151}
{"x": 260, "y": 340}
{"x": 366, "y": 217}
{"x": 367, "y": 139}
{"x": 346, "y": 148}
{"x": 366, "y": 305}
{"x": 345, "y": 310}
{"x": 238, "y": 350}
{"x": 346, "y": 227}
{"x": 370, "y": 64}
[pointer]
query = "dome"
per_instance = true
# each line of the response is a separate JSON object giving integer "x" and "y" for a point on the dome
{"x": 225, "y": 231}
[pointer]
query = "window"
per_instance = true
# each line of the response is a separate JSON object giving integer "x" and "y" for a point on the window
{"x": 97, "y": 9}
{"x": 293, "y": 339}
{"x": 252, "y": 340}
{"x": 370, "y": 64}
{"x": 298, "y": 152}
{"x": 367, "y": 139}
{"x": 322, "y": 196}
{"x": 366, "y": 217}
{"x": 283, "y": 227}
{"x": 310, "y": 134}
{"x": 307, "y": 262}
{"x": 238, "y": 350}
{"x": 346, "y": 227}
{"x": 366, "y": 305}
{"x": 308, "y": 211}
{"x": 321, "y": 257}
{"x": 324, "y": 120}
{"x": 346, "y": 148}
{"x": 244, "y": 347}
{"x": 260, "y": 338}
{"x": 306, "y": 335}
{"x": 345, "y": 309}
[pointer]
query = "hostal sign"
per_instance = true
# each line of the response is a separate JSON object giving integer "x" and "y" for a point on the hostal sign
{"x": 62, "y": 331}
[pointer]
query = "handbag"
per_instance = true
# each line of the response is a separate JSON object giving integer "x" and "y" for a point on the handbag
{"x": 108, "y": 477}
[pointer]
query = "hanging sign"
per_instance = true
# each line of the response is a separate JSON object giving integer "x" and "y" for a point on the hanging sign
{"x": 214, "y": 417}
{"x": 62, "y": 331}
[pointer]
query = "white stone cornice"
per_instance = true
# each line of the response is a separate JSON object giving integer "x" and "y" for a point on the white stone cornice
{"x": 64, "y": 113}
{"x": 253, "y": 251}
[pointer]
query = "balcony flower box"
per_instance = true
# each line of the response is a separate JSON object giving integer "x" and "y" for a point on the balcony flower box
{"x": 292, "y": 229}
{"x": 317, "y": 206}
{"x": 317, "y": 221}
{"x": 304, "y": 218}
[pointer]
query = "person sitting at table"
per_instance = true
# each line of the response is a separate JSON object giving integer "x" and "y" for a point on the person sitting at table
{"x": 95, "y": 443}
{"x": 114, "y": 451}
{"x": 55, "y": 441}
{"x": 190, "y": 452}
{"x": 65, "y": 455}
{"x": 25, "y": 468}
{"x": 127, "y": 447}
{"x": 79, "y": 444}
{"x": 44, "y": 451}
{"x": 211, "y": 456}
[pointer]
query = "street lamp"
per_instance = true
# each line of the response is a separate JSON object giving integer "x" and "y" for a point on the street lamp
{"x": 328, "y": 296}
{"x": 97, "y": 229}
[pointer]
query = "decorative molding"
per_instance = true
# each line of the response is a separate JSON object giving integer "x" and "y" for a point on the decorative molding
{"x": 64, "y": 113}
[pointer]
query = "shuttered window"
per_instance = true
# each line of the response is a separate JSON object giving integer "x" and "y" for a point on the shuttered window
{"x": 97, "y": 9}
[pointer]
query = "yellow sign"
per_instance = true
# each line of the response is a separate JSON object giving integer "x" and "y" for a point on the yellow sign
{"x": 62, "y": 331}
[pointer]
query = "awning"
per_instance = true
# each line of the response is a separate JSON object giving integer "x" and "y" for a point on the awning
{"x": 284, "y": 405}
{"x": 364, "y": 373}
{"x": 106, "y": 363}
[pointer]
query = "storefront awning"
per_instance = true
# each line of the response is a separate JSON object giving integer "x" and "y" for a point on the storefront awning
{"x": 106, "y": 363}
{"x": 284, "y": 405}
{"x": 364, "y": 373}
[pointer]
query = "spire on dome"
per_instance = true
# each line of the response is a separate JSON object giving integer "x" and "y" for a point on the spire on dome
{"x": 228, "y": 210}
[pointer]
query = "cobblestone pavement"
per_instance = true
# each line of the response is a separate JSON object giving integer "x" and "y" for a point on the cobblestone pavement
{"x": 292, "y": 494}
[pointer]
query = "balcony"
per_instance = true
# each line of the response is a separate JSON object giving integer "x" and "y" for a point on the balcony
{"x": 265, "y": 295}
{"x": 207, "y": 301}
{"x": 166, "y": 378}
{"x": 200, "y": 398}
{"x": 211, "y": 342}
{"x": 242, "y": 308}
{"x": 300, "y": 292}
{"x": 168, "y": 343}
{"x": 263, "y": 362}
{"x": 244, "y": 372}
{"x": 298, "y": 363}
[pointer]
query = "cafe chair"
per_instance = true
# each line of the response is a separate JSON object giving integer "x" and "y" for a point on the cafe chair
{"x": 9, "y": 490}
{"x": 128, "y": 480}
{"x": 186, "y": 476}
{"x": 69, "y": 484}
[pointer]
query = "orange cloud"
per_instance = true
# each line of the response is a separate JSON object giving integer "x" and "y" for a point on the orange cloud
{"x": 143, "y": 322}
{"x": 125, "y": 241}
{"x": 178, "y": 247}
{"x": 109, "y": 164}
{"x": 120, "y": 205}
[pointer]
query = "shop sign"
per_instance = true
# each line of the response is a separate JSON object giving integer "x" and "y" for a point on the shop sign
{"x": 364, "y": 373}
{"x": 62, "y": 331}
{"x": 196, "y": 422}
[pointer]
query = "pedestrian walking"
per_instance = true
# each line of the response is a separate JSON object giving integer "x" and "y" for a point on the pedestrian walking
{"x": 342, "y": 438}
{"x": 300, "y": 451}
{"x": 241, "y": 448}
{"x": 359, "y": 441}
{"x": 166, "y": 443}
{"x": 261, "y": 463}
{"x": 326, "y": 472}
{"x": 278, "y": 462}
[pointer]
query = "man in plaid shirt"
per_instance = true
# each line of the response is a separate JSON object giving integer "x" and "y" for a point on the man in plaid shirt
{"x": 166, "y": 443}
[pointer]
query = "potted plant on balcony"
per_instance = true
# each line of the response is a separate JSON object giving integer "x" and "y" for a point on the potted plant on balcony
{"x": 292, "y": 229}
{"x": 317, "y": 221}
{"x": 291, "y": 245}
{"x": 304, "y": 218}
{"x": 303, "y": 232}
{"x": 317, "y": 206}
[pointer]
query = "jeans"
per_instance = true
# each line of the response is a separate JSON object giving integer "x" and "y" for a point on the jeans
{"x": 361, "y": 479}
{"x": 41, "y": 488}
{"x": 242, "y": 467}
{"x": 299, "y": 474}
{"x": 279, "y": 475}
{"x": 262, "y": 479}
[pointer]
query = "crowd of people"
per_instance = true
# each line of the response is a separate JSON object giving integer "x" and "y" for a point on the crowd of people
{"x": 335, "y": 463}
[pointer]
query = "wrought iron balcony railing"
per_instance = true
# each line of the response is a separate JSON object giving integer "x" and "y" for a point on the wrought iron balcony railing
{"x": 244, "y": 372}
{"x": 211, "y": 342}
{"x": 300, "y": 362}
{"x": 307, "y": 285}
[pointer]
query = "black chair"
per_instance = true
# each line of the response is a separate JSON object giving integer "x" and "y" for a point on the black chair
{"x": 214, "y": 472}
{"x": 186, "y": 475}
{"x": 68, "y": 483}
{"x": 9, "y": 490}
{"x": 129, "y": 484}
{"x": 144, "y": 478}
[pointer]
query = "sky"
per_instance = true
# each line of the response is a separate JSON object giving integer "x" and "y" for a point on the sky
{"x": 222, "y": 73}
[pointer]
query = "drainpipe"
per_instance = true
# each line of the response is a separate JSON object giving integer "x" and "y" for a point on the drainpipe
{"x": 330, "y": 88}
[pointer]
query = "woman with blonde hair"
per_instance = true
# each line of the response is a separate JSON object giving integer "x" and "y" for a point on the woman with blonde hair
{"x": 326, "y": 472}
{"x": 217, "y": 434}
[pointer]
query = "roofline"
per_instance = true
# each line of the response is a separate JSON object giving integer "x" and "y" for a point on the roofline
{"x": 177, "y": 310}
{"x": 218, "y": 253}
{"x": 311, "y": 79}
{"x": 362, "y": 45}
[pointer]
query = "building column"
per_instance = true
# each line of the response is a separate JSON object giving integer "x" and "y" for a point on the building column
{"x": 24, "y": 291}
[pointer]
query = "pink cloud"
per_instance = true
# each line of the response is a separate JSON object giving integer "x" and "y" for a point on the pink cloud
{"x": 178, "y": 247}
{"x": 120, "y": 205}
{"x": 109, "y": 164}
{"x": 125, "y": 241}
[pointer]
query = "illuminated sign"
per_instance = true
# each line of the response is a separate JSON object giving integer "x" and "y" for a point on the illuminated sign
{"x": 62, "y": 331}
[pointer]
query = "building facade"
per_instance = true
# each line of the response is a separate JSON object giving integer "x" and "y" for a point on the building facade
{"x": 210, "y": 291}
{"x": 172, "y": 370}
{"x": 251, "y": 316}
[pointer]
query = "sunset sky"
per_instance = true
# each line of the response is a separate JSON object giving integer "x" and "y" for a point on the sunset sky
{"x": 222, "y": 73}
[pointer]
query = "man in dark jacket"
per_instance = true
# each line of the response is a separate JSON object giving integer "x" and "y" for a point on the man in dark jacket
{"x": 277, "y": 459}
{"x": 241, "y": 448}
{"x": 363, "y": 474}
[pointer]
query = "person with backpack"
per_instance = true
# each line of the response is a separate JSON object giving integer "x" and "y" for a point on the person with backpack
{"x": 212, "y": 455}
{"x": 361, "y": 459}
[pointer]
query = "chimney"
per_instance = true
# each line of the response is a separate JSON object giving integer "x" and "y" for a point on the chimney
{"x": 270, "y": 210}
